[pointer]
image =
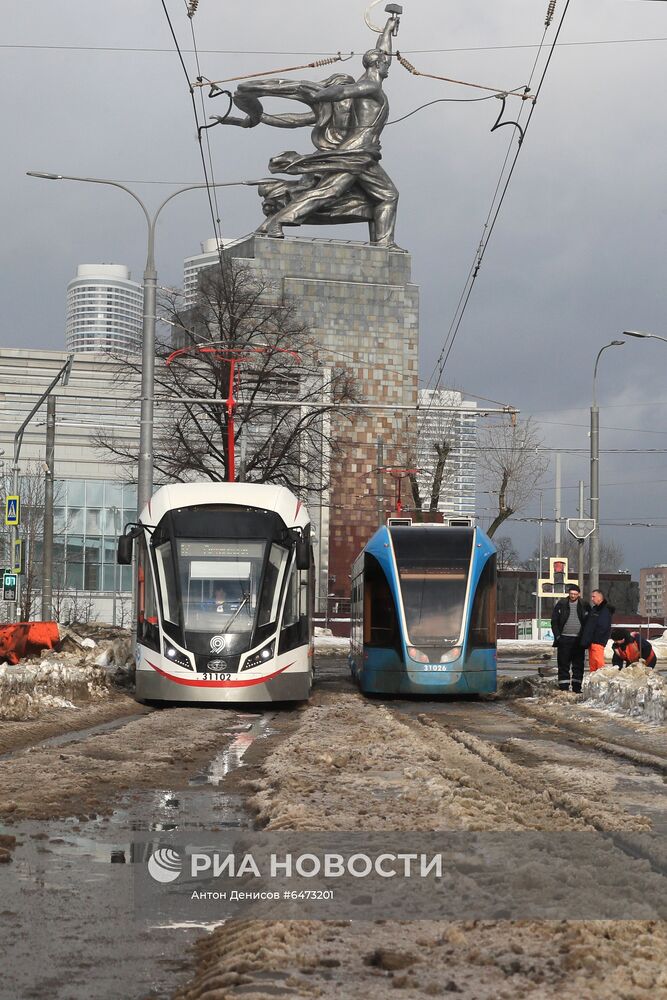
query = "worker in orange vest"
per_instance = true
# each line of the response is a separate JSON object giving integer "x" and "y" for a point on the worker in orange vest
{"x": 630, "y": 647}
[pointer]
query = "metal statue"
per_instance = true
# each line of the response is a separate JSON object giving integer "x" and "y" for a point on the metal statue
{"x": 343, "y": 180}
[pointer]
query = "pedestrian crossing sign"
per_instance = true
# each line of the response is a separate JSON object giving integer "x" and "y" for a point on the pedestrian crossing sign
{"x": 12, "y": 511}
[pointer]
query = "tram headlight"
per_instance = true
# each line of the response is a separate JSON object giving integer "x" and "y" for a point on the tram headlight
{"x": 257, "y": 659}
{"x": 450, "y": 655}
{"x": 176, "y": 656}
{"x": 418, "y": 655}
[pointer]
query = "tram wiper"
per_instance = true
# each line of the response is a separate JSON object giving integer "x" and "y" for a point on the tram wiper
{"x": 228, "y": 625}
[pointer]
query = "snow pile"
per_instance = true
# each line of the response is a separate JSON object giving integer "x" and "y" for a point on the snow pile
{"x": 539, "y": 648}
{"x": 327, "y": 644}
{"x": 636, "y": 691}
{"x": 57, "y": 680}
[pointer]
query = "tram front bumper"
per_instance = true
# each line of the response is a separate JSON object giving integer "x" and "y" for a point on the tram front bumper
{"x": 287, "y": 686}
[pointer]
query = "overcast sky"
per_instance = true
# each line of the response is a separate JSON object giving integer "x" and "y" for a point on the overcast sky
{"x": 578, "y": 255}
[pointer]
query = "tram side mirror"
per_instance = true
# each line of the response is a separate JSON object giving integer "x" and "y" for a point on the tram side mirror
{"x": 126, "y": 544}
{"x": 303, "y": 554}
{"x": 124, "y": 552}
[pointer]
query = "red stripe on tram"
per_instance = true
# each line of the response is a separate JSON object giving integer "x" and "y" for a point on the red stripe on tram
{"x": 219, "y": 684}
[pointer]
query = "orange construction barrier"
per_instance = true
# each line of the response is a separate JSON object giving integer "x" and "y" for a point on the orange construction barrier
{"x": 27, "y": 639}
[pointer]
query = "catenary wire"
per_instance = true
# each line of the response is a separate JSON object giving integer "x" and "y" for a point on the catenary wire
{"x": 496, "y": 205}
{"x": 218, "y": 232}
{"x": 199, "y": 139}
{"x": 295, "y": 52}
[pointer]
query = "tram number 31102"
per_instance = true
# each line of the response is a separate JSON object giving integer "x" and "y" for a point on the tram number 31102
{"x": 216, "y": 677}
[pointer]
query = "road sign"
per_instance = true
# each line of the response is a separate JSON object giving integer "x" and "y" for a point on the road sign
{"x": 9, "y": 587}
{"x": 17, "y": 557}
{"x": 558, "y": 581}
{"x": 12, "y": 511}
{"x": 580, "y": 527}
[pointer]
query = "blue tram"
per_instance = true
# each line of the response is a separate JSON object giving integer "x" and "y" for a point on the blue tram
{"x": 424, "y": 611}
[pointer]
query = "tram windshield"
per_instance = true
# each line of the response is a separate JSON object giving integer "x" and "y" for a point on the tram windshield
{"x": 221, "y": 584}
{"x": 433, "y": 570}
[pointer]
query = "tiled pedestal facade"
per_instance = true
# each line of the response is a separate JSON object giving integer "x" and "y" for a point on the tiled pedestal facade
{"x": 363, "y": 310}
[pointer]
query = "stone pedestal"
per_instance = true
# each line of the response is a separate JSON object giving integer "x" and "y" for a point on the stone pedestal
{"x": 363, "y": 310}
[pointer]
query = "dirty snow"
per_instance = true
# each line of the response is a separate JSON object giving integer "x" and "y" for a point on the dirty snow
{"x": 79, "y": 674}
{"x": 358, "y": 765}
{"x": 353, "y": 765}
{"x": 52, "y": 682}
{"x": 327, "y": 644}
{"x": 637, "y": 691}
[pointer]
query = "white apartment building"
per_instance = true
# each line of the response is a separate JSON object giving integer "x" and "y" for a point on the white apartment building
{"x": 193, "y": 265}
{"x": 459, "y": 430}
{"x": 104, "y": 310}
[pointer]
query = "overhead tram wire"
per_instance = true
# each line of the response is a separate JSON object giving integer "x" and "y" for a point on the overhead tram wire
{"x": 190, "y": 11}
{"x": 207, "y": 180}
{"x": 494, "y": 212}
{"x": 479, "y": 253}
{"x": 150, "y": 49}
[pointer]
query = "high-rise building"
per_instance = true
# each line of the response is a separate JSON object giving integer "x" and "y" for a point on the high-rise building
{"x": 193, "y": 265}
{"x": 457, "y": 432}
{"x": 653, "y": 591}
{"x": 104, "y": 310}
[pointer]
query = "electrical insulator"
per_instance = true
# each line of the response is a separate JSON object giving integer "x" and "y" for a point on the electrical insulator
{"x": 192, "y": 7}
{"x": 551, "y": 10}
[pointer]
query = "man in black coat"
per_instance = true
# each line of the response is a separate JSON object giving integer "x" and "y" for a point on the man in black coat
{"x": 597, "y": 630}
{"x": 567, "y": 622}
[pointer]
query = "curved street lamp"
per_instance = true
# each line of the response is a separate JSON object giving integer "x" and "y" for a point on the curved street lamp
{"x": 594, "y": 549}
{"x": 145, "y": 470}
{"x": 644, "y": 336}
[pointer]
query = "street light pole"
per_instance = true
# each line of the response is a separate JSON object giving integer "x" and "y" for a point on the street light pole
{"x": 145, "y": 467}
{"x": 644, "y": 336}
{"x": 594, "y": 546}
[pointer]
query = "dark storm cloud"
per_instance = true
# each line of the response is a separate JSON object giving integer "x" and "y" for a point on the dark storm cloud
{"x": 578, "y": 254}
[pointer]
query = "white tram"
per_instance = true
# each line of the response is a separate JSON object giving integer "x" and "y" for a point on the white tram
{"x": 224, "y": 594}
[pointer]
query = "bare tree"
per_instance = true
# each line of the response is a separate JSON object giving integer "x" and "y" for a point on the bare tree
{"x": 512, "y": 467}
{"x": 612, "y": 555}
{"x": 507, "y": 555}
{"x": 239, "y": 316}
{"x": 431, "y": 456}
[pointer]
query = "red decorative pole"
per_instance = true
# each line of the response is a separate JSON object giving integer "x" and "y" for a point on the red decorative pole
{"x": 233, "y": 356}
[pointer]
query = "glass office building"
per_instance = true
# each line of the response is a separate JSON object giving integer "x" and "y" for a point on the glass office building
{"x": 89, "y": 515}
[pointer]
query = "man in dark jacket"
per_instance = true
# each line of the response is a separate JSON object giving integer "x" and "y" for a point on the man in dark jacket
{"x": 597, "y": 630}
{"x": 567, "y": 621}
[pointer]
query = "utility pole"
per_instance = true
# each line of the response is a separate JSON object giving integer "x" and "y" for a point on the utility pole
{"x": 62, "y": 377}
{"x": 538, "y": 599}
{"x": 594, "y": 543}
{"x": 49, "y": 477}
{"x": 581, "y": 541}
{"x": 557, "y": 507}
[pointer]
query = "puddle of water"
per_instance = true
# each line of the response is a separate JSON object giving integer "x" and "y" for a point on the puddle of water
{"x": 65, "y": 867}
{"x": 230, "y": 759}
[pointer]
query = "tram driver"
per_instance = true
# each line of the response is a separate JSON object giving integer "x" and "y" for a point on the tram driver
{"x": 219, "y": 599}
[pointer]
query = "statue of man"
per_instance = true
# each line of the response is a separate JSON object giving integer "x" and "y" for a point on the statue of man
{"x": 349, "y": 117}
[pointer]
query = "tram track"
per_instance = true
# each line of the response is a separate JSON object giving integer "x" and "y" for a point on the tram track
{"x": 504, "y": 754}
{"x": 635, "y": 755}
